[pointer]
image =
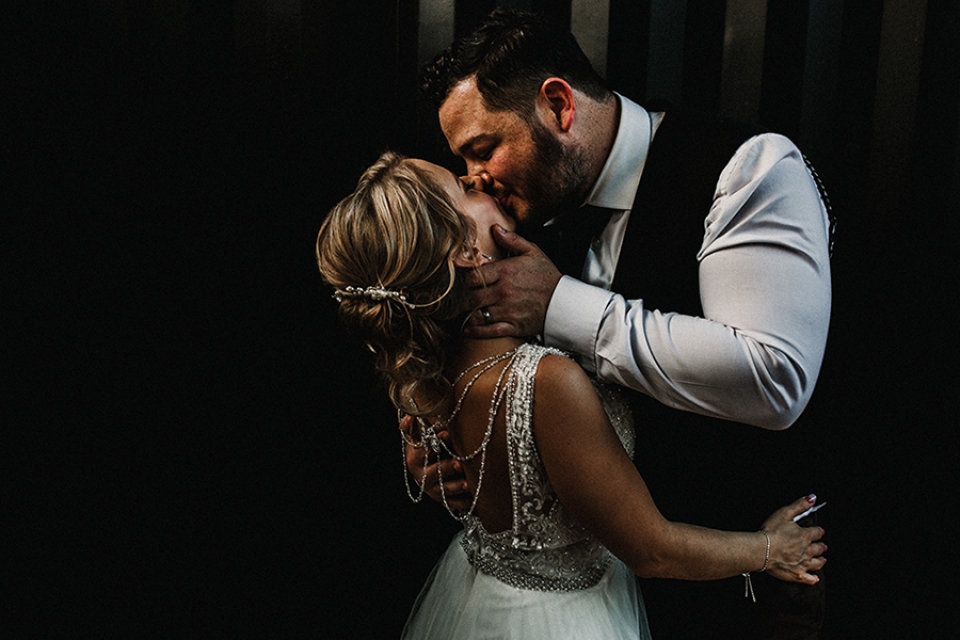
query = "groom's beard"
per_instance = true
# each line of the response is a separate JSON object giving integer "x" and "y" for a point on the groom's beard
{"x": 557, "y": 180}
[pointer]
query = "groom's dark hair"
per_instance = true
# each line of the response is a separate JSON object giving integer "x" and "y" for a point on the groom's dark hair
{"x": 511, "y": 53}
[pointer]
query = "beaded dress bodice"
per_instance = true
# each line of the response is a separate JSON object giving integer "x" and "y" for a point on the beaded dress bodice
{"x": 546, "y": 549}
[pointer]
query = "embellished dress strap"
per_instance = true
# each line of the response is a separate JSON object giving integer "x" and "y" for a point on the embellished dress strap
{"x": 528, "y": 479}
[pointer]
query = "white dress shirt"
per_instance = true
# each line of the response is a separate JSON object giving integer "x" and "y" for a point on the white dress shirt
{"x": 764, "y": 287}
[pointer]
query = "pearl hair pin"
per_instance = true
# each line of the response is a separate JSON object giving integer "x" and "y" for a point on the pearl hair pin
{"x": 376, "y": 293}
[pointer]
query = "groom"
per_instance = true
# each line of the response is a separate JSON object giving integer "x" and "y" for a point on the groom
{"x": 701, "y": 283}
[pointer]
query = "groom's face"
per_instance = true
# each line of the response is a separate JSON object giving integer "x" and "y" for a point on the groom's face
{"x": 523, "y": 165}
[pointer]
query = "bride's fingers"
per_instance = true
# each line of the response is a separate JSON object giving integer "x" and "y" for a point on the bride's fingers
{"x": 455, "y": 489}
{"x": 800, "y": 506}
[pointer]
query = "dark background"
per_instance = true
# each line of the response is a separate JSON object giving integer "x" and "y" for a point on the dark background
{"x": 198, "y": 449}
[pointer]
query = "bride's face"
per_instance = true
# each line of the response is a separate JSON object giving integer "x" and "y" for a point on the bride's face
{"x": 478, "y": 207}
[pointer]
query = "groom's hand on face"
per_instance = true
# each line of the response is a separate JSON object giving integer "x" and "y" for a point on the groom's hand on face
{"x": 511, "y": 295}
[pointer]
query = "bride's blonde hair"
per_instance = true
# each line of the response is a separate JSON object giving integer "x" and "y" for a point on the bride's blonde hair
{"x": 388, "y": 250}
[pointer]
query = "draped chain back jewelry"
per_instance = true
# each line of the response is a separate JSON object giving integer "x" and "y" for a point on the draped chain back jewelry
{"x": 429, "y": 441}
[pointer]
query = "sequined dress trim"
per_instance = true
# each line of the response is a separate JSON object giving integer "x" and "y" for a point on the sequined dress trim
{"x": 546, "y": 549}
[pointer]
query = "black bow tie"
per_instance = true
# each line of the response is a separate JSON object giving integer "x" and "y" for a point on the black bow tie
{"x": 567, "y": 238}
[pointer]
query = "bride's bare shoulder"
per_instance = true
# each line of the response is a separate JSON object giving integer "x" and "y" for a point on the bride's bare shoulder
{"x": 562, "y": 383}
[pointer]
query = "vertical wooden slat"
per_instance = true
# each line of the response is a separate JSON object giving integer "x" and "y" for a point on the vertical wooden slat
{"x": 821, "y": 62}
{"x": 743, "y": 42}
{"x": 895, "y": 102}
{"x": 781, "y": 96}
{"x": 521, "y": 5}
{"x": 590, "y": 23}
{"x": 666, "y": 46}
{"x": 627, "y": 46}
{"x": 936, "y": 155}
{"x": 859, "y": 44}
{"x": 435, "y": 29}
{"x": 558, "y": 10}
{"x": 703, "y": 55}
{"x": 468, "y": 13}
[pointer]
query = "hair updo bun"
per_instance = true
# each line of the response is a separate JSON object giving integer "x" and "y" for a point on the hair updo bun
{"x": 388, "y": 250}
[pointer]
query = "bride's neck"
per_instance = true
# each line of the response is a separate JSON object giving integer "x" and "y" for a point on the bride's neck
{"x": 470, "y": 351}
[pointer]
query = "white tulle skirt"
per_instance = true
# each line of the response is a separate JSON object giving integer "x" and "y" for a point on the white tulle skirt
{"x": 460, "y": 603}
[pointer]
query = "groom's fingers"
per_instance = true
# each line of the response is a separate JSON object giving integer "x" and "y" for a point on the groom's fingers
{"x": 512, "y": 242}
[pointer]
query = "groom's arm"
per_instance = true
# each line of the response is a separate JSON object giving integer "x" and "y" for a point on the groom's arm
{"x": 766, "y": 295}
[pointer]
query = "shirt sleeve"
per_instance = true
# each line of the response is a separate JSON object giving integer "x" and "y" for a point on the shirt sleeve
{"x": 765, "y": 291}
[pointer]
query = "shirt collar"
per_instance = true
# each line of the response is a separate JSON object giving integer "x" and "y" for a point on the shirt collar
{"x": 617, "y": 185}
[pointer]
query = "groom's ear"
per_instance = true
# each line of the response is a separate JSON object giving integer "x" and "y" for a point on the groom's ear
{"x": 556, "y": 96}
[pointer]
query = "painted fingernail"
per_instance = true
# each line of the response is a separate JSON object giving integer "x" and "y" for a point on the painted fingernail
{"x": 812, "y": 497}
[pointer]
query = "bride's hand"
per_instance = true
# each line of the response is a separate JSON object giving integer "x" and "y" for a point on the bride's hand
{"x": 795, "y": 551}
{"x": 424, "y": 470}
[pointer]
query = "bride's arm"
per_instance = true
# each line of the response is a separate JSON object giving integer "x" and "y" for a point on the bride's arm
{"x": 599, "y": 485}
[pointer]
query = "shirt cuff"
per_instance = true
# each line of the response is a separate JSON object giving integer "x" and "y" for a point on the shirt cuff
{"x": 573, "y": 318}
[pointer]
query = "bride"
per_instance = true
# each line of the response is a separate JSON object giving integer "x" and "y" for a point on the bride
{"x": 560, "y": 518}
